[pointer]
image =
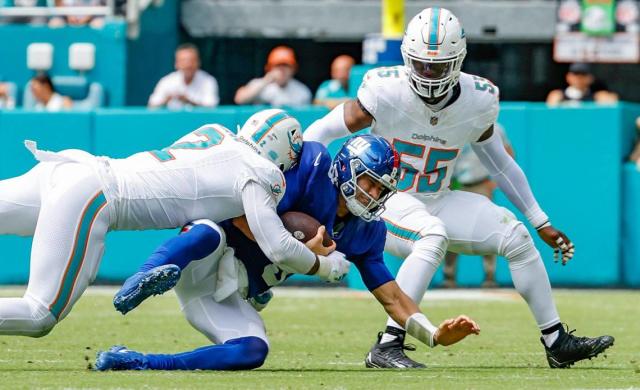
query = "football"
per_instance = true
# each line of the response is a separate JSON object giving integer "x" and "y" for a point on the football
{"x": 303, "y": 227}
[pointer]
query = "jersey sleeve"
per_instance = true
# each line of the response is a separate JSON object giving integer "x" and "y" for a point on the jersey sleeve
{"x": 309, "y": 188}
{"x": 380, "y": 92}
{"x": 368, "y": 92}
{"x": 373, "y": 270}
{"x": 487, "y": 100}
{"x": 269, "y": 178}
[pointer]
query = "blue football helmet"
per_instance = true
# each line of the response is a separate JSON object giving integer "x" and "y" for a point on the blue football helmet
{"x": 366, "y": 155}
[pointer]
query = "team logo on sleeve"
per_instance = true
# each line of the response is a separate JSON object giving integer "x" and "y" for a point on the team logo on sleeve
{"x": 276, "y": 189}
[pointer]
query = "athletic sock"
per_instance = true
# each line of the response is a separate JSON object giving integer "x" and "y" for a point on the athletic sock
{"x": 551, "y": 334}
{"x": 391, "y": 333}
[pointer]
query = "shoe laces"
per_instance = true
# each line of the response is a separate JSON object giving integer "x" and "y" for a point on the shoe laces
{"x": 409, "y": 347}
{"x": 573, "y": 337}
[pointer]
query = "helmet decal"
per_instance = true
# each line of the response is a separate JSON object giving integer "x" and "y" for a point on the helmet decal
{"x": 432, "y": 39}
{"x": 268, "y": 125}
{"x": 275, "y": 135}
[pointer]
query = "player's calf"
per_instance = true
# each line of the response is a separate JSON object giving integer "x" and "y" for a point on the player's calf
{"x": 244, "y": 353}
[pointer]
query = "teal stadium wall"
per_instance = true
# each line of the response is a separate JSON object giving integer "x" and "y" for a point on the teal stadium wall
{"x": 573, "y": 158}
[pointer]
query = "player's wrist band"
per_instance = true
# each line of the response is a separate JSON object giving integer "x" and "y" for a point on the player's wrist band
{"x": 419, "y": 327}
{"x": 544, "y": 225}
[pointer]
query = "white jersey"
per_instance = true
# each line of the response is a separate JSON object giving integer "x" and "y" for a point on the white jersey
{"x": 202, "y": 175}
{"x": 428, "y": 142}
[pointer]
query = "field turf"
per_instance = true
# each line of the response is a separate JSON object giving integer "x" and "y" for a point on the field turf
{"x": 319, "y": 339}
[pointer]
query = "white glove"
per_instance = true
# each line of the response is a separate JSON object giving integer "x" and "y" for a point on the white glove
{"x": 334, "y": 267}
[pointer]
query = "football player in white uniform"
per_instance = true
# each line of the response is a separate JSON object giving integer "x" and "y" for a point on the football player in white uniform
{"x": 428, "y": 109}
{"x": 70, "y": 200}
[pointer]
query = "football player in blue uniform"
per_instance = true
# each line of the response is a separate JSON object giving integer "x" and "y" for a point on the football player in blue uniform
{"x": 346, "y": 196}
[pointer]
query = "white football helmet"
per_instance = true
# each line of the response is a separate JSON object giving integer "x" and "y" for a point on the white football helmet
{"x": 275, "y": 135}
{"x": 433, "y": 48}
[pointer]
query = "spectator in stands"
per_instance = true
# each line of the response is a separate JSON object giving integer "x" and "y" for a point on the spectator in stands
{"x": 335, "y": 91}
{"x": 78, "y": 20}
{"x": 473, "y": 177}
{"x": 277, "y": 87}
{"x": 6, "y": 100}
{"x": 582, "y": 87}
{"x": 46, "y": 96}
{"x": 188, "y": 86}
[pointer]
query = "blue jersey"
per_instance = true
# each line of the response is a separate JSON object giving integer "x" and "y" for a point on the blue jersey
{"x": 310, "y": 190}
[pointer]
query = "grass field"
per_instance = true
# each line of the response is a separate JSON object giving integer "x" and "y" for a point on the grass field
{"x": 318, "y": 340}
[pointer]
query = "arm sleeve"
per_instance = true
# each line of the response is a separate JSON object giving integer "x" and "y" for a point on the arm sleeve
{"x": 510, "y": 178}
{"x": 329, "y": 127}
{"x": 275, "y": 241}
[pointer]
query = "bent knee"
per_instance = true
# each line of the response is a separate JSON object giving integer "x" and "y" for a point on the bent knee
{"x": 254, "y": 351}
{"x": 40, "y": 326}
{"x": 420, "y": 232}
{"x": 518, "y": 245}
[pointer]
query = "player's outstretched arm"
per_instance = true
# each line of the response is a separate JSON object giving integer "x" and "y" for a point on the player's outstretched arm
{"x": 406, "y": 313}
{"x": 343, "y": 120}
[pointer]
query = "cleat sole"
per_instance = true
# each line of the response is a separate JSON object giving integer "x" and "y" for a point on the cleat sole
{"x": 154, "y": 284}
{"x": 568, "y": 364}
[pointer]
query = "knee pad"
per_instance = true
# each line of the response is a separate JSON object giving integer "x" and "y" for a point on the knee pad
{"x": 517, "y": 246}
{"x": 415, "y": 232}
{"x": 253, "y": 350}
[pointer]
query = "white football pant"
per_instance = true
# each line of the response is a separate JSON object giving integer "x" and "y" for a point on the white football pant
{"x": 62, "y": 206}
{"x": 418, "y": 230}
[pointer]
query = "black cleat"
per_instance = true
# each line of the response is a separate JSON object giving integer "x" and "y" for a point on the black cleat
{"x": 568, "y": 349}
{"x": 391, "y": 355}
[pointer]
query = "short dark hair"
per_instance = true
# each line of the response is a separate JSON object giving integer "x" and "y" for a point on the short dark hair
{"x": 187, "y": 46}
{"x": 43, "y": 78}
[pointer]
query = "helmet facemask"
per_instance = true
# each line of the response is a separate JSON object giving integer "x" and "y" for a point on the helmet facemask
{"x": 433, "y": 77}
{"x": 358, "y": 200}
